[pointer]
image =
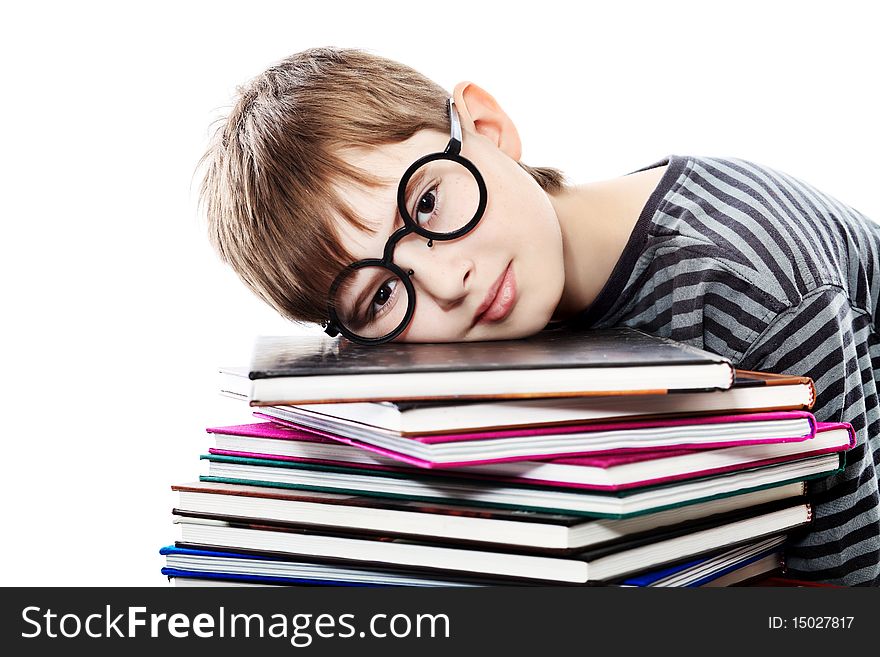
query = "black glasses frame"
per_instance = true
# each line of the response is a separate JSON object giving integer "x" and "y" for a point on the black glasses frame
{"x": 334, "y": 326}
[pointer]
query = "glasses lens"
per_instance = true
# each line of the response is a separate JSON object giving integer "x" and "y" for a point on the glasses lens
{"x": 442, "y": 196}
{"x": 371, "y": 301}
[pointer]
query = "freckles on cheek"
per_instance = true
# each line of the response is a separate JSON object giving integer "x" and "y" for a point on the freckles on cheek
{"x": 431, "y": 325}
{"x": 510, "y": 210}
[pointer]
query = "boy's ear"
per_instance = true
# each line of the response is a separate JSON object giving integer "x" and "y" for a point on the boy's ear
{"x": 480, "y": 113}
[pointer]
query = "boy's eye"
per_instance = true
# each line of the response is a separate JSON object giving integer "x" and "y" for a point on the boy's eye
{"x": 370, "y": 301}
{"x": 426, "y": 206}
{"x": 384, "y": 293}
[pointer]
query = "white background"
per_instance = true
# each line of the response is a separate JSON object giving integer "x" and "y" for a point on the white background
{"x": 116, "y": 314}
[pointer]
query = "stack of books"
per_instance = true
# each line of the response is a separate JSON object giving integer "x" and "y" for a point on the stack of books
{"x": 601, "y": 457}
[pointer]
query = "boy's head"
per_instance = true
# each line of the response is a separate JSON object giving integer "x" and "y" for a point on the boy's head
{"x": 301, "y": 180}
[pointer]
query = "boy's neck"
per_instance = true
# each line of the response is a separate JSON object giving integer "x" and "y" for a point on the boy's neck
{"x": 597, "y": 220}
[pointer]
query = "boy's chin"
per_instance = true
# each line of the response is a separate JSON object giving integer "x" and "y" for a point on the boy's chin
{"x": 504, "y": 330}
{"x": 488, "y": 336}
{"x": 506, "y": 333}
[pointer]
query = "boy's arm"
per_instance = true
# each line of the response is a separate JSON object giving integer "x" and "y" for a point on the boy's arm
{"x": 825, "y": 338}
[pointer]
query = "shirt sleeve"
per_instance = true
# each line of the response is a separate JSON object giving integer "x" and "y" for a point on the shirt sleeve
{"x": 825, "y": 338}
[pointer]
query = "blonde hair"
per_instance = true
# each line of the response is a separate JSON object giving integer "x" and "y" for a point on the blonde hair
{"x": 274, "y": 162}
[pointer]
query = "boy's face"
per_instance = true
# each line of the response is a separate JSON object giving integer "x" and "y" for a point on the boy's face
{"x": 502, "y": 280}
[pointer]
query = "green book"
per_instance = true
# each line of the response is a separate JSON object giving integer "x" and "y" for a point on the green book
{"x": 548, "y": 499}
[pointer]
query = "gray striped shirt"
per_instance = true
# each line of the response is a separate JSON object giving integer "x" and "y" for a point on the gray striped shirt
{"x": 762, "y": 268}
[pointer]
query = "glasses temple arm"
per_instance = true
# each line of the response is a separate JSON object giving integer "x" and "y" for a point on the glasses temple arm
{"x": 454, "y": 145}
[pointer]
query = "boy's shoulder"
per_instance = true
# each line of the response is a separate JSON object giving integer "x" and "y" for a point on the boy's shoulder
{"x": 727, "y": 232}
{"x": 760, "y": 224}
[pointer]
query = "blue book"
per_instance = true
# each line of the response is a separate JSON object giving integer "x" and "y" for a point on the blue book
{"x": 734, "y": 565}
{"x": 239, "y": 566}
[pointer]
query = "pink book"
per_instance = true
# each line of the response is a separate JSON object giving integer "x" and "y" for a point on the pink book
{"x": 610, "y": 471}
{"x": 541, "y": 443}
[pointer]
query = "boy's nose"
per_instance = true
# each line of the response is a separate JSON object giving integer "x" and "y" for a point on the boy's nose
{"x": 440, "y": 271}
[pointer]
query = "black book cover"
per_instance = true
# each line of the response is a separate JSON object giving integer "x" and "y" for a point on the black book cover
{"x": 291, "y": 356}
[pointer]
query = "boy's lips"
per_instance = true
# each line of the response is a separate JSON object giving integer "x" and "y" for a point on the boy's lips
{"x": 500, "y": 299}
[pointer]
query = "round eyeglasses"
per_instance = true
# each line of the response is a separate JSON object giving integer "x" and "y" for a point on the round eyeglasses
{"x": 441, "y": 197}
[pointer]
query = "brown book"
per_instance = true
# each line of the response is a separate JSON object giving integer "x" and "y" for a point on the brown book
{"x": 751, "y": 392}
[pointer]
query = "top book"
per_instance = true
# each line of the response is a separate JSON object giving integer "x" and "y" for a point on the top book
{"x": 553, "y": 363}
